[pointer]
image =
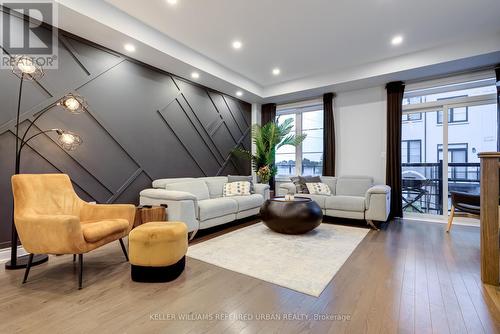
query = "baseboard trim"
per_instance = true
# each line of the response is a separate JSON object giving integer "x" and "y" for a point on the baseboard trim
{"x": 5, "y": 253}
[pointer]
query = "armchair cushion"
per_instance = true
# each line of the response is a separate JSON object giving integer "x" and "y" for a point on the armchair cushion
{"x": 95, "y": 230}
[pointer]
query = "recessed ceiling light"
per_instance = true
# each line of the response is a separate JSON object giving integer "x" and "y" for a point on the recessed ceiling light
{"x": 396, "y": 40}
{"x": 276, "y": 71}
{"x": 195, "y": 75}
{"x": 172, "y": 2}
{"x": 129, "y": 47}
{"x": 239, "y": 93}
{"x": 237, "y": 45}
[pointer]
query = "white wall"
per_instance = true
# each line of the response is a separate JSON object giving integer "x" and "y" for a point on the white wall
{"x": 361, "y": 123}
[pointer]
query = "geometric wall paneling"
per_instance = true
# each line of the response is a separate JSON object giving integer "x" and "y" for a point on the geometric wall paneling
{"x": 128, "y": 111}
{"x": 130, "y": 194}
{"x": 109, "y": 163}
{"x": 226, "y": 115}
{"x": 192, "y": 138}
{"x": 93, "y": 59}
{"x": 142, "y": 124}
{"x": 9, "y": 88}
{"x": 235, "y": 108}
{"x": 64, "y": 162}
{"x": 200, "y": 104}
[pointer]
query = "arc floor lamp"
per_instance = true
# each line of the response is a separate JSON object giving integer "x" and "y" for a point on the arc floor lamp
{"x": 26, "y": 69}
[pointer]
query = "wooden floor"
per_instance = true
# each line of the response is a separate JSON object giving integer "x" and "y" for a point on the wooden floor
{"x": 411, "y": 277}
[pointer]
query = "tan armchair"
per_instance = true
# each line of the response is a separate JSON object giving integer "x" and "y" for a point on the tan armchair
{"x": 50, "y": 218}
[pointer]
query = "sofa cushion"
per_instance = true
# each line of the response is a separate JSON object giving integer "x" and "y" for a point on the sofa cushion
{"x": 95, "y": 230}
{"x": 196, "y": 187}
{"x": 345, "y": 203}
{"x": 215, "y": 185}
{"x": 353, "y": 186}
{"x": 331, "y": 182}
{"x": 162, "y": 183}
{"x": 248, "y": 202}
{"x": 320, "y": 199}
{"x": 216, "y": 207}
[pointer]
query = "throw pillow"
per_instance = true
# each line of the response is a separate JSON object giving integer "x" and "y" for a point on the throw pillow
{"x": 307, "y": 179}
{"x": 296, "y": 182}
{"x": 318, "y": 188}
{"x": 239, "y": 188}
{"x": 236, "y": 178}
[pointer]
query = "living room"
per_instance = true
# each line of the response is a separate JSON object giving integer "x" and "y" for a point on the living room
{"x": 249, "y": 166}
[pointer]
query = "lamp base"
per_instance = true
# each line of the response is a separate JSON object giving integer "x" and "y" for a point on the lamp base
{"x": 22, "y": 261}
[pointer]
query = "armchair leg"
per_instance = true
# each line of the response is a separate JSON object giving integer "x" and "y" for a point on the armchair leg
{"x": 28, "y": 267}
{"x": 450, "y": 219}
{"x": 80, "y": 271}
{"x": 74, "y": 257}
{"x": 124, "y": 249}
{"x": 191, "y": 235}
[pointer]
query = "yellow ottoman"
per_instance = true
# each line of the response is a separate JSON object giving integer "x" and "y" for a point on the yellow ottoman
{"x": 157, "y": 251}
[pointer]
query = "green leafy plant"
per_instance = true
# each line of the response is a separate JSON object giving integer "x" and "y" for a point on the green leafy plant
{"x": 267, "y": 140}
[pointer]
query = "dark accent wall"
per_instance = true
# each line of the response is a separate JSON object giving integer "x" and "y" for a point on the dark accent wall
{"x": 142, "y": 124}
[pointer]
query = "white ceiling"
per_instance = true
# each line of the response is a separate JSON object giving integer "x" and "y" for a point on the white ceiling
{"x": 317, "y": 44}
{"x": 311, "y": 37}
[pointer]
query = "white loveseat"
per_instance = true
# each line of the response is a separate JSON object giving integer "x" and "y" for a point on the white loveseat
{"x": 199, "y": 203}
{"x": 354, "y": 197}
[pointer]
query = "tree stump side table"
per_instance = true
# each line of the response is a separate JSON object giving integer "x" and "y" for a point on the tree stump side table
{"x": 147, "y": 214}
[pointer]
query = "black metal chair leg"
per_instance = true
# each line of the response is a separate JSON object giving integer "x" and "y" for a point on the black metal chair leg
{"x": 124, "y": 249}
{"x": 28, "y": 267}
{"x": 74, "y": 257}
{"x": 80, "y": 271}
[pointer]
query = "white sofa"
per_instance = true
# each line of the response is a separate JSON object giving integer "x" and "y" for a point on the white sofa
{"x": 354, "y": 197}
{"x": 199, "y": 203}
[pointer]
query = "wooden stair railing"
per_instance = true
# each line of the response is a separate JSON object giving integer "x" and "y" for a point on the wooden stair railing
{"x": 490, "y": 249}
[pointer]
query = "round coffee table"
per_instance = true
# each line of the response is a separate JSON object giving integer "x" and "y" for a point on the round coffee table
{"x": 297, "y": 216}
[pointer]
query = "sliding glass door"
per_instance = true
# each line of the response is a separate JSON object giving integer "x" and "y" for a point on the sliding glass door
{"x": 443, "y": 130}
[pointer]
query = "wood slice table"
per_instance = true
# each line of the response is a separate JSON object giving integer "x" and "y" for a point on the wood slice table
{"x": 147, "y": 214}
{"x": 297, "y": 216}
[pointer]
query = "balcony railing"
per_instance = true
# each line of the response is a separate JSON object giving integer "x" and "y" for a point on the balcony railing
{"x": 422, "y": 184}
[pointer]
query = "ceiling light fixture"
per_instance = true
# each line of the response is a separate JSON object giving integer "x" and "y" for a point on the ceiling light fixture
{"x": 396, "y": 40}
{"x": 237, "y": 45}
{"x": 195, "y": 75}
{"x": 239, "y": 93}
{"x": 276, "y": 71}
{"x": 172, "y": 2}
{"x": 129, "y": 47}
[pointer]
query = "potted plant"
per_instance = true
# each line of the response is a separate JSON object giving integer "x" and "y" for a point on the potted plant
{"x": 267, "y": 140}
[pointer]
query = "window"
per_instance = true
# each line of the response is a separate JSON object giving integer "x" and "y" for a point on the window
{"x": 412, "y": 117}
{"x": 456, "y": 152}
{"x": 307, "y": 158}
{"x": 455, "y": 115}
{"x": 411, "y": 151}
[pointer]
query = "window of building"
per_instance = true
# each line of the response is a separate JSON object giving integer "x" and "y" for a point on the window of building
{"x": 411, "y": 151}
{"x": 412, "y": 117}
{"x": 307, "y": 158}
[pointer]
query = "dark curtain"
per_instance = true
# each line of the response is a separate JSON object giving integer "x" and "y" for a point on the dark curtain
{"x": 268, "y": 113}
{"x": 497, "y": 72}
{"x": 328, "y": 135}
{"x": 395, "y": 91}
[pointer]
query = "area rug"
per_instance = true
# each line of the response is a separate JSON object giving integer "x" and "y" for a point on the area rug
{"x": 304, "y": 263}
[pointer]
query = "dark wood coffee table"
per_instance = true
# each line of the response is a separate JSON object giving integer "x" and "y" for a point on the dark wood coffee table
{"x": 297, "y": 216}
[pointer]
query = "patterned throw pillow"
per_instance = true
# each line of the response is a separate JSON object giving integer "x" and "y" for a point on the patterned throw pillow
{"x": 239, "y": 188}
{"x": 300, "y": 183}
{"x": 318, "y": 189}
{"x": 236, "y": 178}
